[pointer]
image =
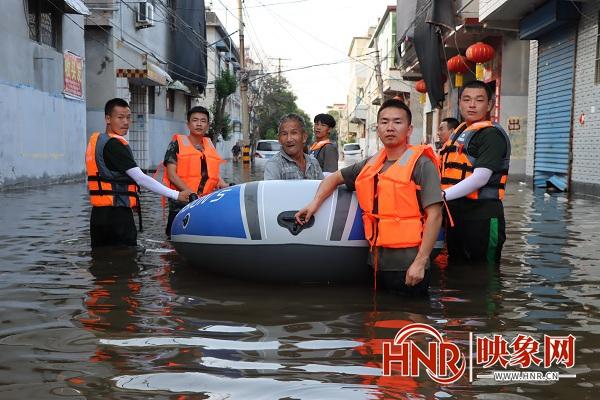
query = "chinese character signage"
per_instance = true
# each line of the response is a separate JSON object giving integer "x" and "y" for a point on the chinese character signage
{"x": 73, "y": 75}
{"x": 445, "y": 363}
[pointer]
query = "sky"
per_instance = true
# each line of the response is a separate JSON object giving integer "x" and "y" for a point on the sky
{"x": 302, "y": 33}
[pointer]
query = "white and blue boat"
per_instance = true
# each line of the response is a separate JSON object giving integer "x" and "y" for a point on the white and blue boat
{"x": 248, "y": 231}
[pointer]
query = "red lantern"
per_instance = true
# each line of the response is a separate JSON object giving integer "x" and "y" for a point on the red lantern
{"x": 480, "y": 53}
{"x": 421, "y": 88}
{"x": 458, "y": 65}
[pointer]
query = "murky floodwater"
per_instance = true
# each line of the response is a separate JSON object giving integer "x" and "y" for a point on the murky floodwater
{"x": 140, "y": 324}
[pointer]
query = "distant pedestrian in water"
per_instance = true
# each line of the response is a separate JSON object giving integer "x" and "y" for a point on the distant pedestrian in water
{"x": 236, "y": 150}
{"x": 323, "y": 149}
{"x": 114, "y": 179}
{"x": 291, "y": 162}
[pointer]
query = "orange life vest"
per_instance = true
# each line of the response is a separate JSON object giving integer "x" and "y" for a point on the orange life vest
{"x": 108, "y": 188}
{"x": 315, "y": 147}
{"x": 196, "y": 168}
{"x": 392, "y": 216}
{"x": 457, "y": 164}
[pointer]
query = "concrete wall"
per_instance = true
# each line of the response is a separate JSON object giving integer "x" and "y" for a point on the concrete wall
{"x": 513, "y": 97}
{"x": 586, "y": 138}
{"x": 161, "y": 131}
{"x": 42, "y": 132}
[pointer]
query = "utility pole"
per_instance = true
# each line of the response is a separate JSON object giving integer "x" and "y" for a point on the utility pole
{"x": 244, "y": 90}
{"x": 279, "y": 59}
{"x": 379, "y": 78}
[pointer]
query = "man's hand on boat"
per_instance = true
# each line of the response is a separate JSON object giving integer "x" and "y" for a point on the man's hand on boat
{"x": 325, "y": 189}
{"x": 303, "y": 216}
{"x": 184, "y": 196}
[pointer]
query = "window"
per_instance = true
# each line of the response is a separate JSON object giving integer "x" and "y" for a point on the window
{"x": 151, "y": 100}
{"x": 188, "y": 103}
{"x": 170, "y": 100}
{"x": 44, "y": 20}
{"x": 597, "y": 80}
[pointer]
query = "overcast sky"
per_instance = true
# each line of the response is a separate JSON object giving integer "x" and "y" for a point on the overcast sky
{"x": 305, "y": 32}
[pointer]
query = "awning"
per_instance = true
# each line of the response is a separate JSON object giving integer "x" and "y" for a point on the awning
{"x": 153, "y": 75}
{"x": 178, "y": 85}
{"x": 76, "y": 7}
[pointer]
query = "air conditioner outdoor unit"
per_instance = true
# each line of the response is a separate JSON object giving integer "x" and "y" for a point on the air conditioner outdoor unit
{"x": 145, "y": 14}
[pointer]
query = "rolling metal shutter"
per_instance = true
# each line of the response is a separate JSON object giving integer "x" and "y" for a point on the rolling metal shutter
{"x": 554, "y": 104}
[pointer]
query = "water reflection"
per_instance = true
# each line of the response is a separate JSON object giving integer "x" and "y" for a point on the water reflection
{"x": 140, "y": 324}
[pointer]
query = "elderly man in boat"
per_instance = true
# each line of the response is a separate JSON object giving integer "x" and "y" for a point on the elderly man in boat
{"x": 291, "y": 162}
{"x": 399, "y": 192}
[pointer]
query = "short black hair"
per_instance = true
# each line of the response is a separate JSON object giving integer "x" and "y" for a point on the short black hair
{"x": 395, "y": 103}
{"x": 112, "y": 103}
{"x": 451, "y": 122}
{"x": 325, "y": 119}
{"x": 476, "y": 85}
{"x": 198, "y": 109}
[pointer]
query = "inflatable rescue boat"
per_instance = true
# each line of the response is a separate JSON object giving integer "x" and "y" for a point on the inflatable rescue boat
{"x": 248, "y": 231}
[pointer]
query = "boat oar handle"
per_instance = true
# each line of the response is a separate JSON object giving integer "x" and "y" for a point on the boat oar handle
{"x": 193, "y": 197}
{"x": 287, "y": 220}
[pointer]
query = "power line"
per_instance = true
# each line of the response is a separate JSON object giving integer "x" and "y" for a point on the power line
{"x": 264, "y": 75}
{"x": 319, "y": 40}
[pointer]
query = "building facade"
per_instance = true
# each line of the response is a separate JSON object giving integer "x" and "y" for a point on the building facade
{"x": 506, "y": 73}
{"x": 385, "y": 80}
{"x": 222, "y": 55}
{"x": 564, "y": 77}
{"x": 42, "y": 89}
{"x": 152, "y": 54}
{"x": 356, "y": 100}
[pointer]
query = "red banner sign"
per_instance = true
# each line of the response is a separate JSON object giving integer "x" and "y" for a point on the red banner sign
{"x": 73, "y": 75}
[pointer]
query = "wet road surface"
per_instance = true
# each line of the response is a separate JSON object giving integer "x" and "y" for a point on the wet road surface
{"x": 140, "y": 324}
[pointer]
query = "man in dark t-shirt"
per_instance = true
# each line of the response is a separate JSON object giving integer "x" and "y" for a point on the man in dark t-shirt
{"x": 112, "y": 179}
{"x": 401, "y": 231}
{"x": 474, "y": 171}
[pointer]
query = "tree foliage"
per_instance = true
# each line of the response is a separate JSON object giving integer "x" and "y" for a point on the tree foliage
{"x": 225, "y": 86}
{"x": 276, "y": 100}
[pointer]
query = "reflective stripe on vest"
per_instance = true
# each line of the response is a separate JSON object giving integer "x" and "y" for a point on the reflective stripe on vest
{"x": 391, "y": 213}
{"x": 457, "y": 164}
{"x": 199, "y": 170}
{"x": 108, "y": 188}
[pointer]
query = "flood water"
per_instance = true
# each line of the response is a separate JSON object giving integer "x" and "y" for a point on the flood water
{"x": 141, "y": 324}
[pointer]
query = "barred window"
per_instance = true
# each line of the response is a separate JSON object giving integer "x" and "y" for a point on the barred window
{"x": 44, "y": 20}
{"x": 170, "y": 100}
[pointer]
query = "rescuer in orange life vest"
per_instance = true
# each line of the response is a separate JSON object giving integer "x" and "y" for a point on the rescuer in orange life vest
{"x": 447, "y": 126}
{"x": 192, "y": 162}
{"x": 114, "y": 179}
{"x": 323, "y": 149}
{"x": 474, "y": 165}
{"x": 399, "y": 192}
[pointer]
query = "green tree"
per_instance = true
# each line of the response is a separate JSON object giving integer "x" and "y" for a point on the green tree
{"x": 276, "y": 100}
{"x": 225, "y": 86}
{"x": 333, "y": 135}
